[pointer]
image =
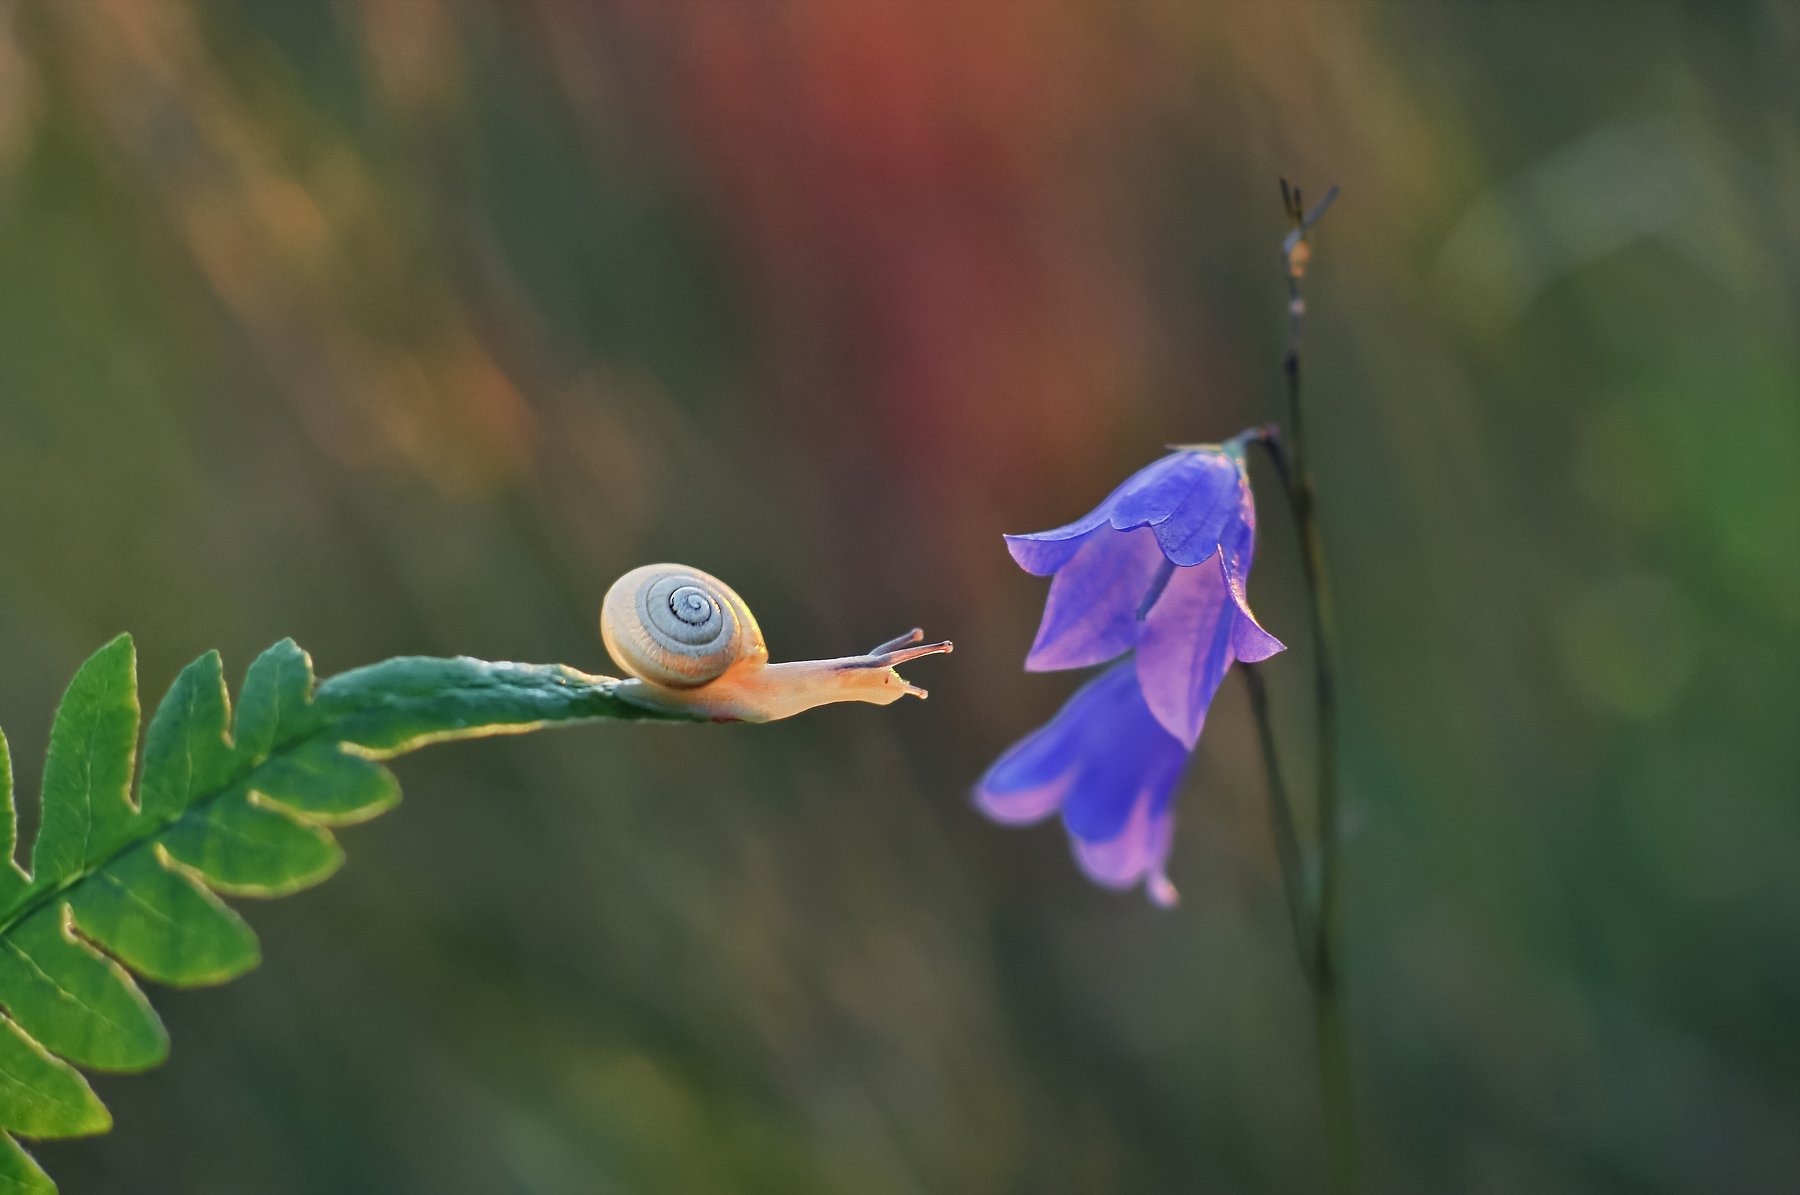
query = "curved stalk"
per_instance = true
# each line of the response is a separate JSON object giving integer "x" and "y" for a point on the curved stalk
{"x": 1281, "y": 822}
{"x": 1336, "y": 1082}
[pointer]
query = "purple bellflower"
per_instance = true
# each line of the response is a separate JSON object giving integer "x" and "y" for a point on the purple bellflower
{"x": 1158, "y": 570}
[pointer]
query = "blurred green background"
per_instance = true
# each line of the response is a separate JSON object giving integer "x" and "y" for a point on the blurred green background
{"x": 405, "y": 326}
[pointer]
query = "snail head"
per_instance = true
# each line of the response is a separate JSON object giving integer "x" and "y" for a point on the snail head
{"x": 879, "y": 664}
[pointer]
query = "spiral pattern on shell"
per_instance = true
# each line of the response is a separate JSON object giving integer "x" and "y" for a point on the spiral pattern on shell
{"x": 677, "y": 626}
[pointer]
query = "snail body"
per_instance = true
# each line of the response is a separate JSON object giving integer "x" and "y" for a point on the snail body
{"x": 690, "y": 644}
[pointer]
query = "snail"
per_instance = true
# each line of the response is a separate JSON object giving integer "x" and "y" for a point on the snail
{"x": 692, "y": 646}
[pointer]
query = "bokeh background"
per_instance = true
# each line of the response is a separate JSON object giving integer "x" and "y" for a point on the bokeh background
{"x": 405, "y": 326}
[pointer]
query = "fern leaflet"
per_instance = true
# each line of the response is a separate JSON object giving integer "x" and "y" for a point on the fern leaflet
{"x": 224, "y": 807}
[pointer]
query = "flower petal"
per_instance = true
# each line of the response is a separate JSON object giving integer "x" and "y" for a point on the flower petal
{"x": 1043, "y": 552}
{"x": 1146, "y": 497}
{"x": 1029, "y": 781}
{"x": 1186, "y": 649}
{"x": 1041, "y": 556}
{"x": 1129, "y": 759}
{"x": 1094, "y": 759}
{"x": 1195, "y": 500}
{"x": 1022, "y": 807}
{"x": 1091, "y": 613}
{"x": 1249, "y": 642}
{"x": 1198, "y": 627}
{"x": 1140, "y": 852}
{"x": 1193, "y": 497}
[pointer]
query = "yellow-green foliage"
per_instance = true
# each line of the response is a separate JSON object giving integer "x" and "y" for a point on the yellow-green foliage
{"x": 240, "y": 808}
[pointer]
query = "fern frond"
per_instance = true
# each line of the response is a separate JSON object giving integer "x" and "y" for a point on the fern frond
{"x": 223, "y": 807}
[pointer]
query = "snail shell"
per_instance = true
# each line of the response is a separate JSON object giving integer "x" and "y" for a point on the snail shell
{"x": 677, "y": 626}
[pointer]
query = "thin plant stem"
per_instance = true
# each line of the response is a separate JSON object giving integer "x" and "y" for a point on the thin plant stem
{"x": 1336, "y": 1082}
{"x": 1281, "y": 822}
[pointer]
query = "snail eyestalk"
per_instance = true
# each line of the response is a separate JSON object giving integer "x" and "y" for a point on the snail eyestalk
{"x": 895, "y": 652}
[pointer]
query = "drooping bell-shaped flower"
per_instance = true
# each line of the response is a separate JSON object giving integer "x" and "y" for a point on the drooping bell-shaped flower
{"x": 1111, "y": 769}
{"x": 1160, "y": 567}
{"x": 1157, "y": 569}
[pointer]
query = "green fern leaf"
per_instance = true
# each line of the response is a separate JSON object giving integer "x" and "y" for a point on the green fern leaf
{"x": 119, "y": 886}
